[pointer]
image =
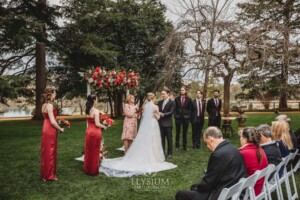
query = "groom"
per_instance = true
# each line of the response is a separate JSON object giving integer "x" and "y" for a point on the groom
{"x": 166, "y": 109}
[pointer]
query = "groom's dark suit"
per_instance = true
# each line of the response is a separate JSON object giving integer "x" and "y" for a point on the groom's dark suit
{"x": 165, "y": 123}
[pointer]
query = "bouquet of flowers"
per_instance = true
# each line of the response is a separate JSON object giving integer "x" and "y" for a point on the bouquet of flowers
{"x": 99, "y": 78}
{"x": 62, "y": 123}
{"x": 107, "y": 121}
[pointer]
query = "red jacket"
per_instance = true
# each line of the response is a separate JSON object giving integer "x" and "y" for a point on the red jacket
{"x": 251, "y": 162}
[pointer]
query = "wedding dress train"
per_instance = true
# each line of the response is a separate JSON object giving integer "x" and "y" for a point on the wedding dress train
{"x": 145, "y": 155}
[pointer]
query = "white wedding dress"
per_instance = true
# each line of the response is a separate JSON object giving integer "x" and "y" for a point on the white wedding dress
{"x": 145, "y": 155}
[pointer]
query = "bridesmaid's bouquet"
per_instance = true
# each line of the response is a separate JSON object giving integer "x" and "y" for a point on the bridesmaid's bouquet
{"x": 107, "y": 121}
{"x": 63, "y": 123}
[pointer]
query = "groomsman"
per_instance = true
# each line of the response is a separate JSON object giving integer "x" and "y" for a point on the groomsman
{"x": 166, "y": 109}
{"x": 214, "y": 106}
{"x": 182, "y": 115}
{"x": 197, "y": 118}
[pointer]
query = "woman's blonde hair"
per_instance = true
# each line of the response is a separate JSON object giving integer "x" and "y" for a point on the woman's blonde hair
{"x": 150, "y": 96}
{"x": 128, "y": 98}
{"x": 280, "y": 131}
{"x": 46, "y": 96}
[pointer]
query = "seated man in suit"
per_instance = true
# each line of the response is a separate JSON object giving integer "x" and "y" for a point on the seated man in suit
{"x": 268, "y": 145}
{"x": 225, "y": 168}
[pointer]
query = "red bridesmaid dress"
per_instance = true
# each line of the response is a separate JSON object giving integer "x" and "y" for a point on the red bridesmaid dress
{"x": 48, "y": 149}
{"x": 92, "y": 148}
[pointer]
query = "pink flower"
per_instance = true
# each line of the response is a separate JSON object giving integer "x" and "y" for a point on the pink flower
{"x": 97, "y": 69}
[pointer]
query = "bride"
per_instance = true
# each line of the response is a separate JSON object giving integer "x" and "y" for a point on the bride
{"x": 145, "y": 155}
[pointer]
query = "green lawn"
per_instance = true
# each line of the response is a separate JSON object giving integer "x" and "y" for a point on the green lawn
{"x": 20, "y": 165}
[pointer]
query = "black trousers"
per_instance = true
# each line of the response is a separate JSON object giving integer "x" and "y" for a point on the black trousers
{"x": 166, "y": 132}
{"x": 214, "y": 121}
{"x": 196, "y": 133}
{"x": 185, "y": 126}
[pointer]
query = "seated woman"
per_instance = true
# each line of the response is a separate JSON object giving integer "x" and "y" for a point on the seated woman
{"x": 254, "y": 156}
{"x": 280, "y": 132}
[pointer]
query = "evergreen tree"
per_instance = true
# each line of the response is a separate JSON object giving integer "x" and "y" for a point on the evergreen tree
{"x": 277, "y": 22}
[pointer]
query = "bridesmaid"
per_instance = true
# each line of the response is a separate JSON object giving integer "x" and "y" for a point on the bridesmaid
{"x": 130, "y": 122}
{"x": 49, "y": 136}
{"x": 93, "y": 137}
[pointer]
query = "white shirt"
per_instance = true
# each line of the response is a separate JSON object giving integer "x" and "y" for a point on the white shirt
{"x": 165, "y": 103}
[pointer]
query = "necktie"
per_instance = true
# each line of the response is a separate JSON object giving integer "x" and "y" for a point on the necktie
{"x": 199, "y": 108}
{"x": 217, "y": 104}
{"x": 182, "y": 101}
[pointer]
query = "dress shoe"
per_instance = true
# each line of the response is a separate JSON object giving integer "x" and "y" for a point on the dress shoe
{"x": 169, "y": 156}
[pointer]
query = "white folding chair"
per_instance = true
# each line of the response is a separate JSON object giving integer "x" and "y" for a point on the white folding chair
{"x": 283, "y": 178}
{"x": 290, "y": 173}
{"x": 249, "y": 185}
{"x": 233, "y": 192}
{"x": 271, "y": 185}
{"x": 297, "y": 165}
{"x": 265, "y": 173}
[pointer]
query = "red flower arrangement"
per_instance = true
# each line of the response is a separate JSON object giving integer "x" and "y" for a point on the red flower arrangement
{"x": 102, "y": 79}
{"x": 107, "y": 121}
{"x": 62, "y": 122}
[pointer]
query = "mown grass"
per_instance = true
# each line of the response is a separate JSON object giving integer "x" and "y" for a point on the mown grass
{"x": 20, "y": 164}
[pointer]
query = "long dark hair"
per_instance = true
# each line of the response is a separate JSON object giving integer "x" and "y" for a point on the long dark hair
{"x": 90, "y": 103}
{"x": 253, "y": 136}
{"x": 46, "y": 96}
{"x": 186, "y": 91}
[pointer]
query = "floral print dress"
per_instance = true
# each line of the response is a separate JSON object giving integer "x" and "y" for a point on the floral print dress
{"x": 130, "y": 122}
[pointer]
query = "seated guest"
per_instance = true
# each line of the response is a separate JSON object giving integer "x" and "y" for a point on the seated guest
{"x": 225, "y": 168}
{"x": 286, "y": 119}
{"x": 280, "y": 132}
{"x": 268, "y": 145}
{"x": 254, "y": 156}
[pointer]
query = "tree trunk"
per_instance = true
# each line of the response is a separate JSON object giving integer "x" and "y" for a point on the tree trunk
{"x": 226, "y": 100}
{"x": 205, "y": 85}
{"x": 110, "y": 103}
{"x": 284, "y": 76}
{"x": 40, "y": 80}
{"x": 119, "y": 104}
{"x": 285, "y": 64}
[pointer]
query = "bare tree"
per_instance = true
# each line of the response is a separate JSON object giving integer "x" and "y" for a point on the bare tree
{"x": 217, "y": 49}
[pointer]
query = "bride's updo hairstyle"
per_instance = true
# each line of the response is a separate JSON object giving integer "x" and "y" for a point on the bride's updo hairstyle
{"x": 150, "y": 96}
{"x": 46, "y": 96}
{"x": 90, "y": 103}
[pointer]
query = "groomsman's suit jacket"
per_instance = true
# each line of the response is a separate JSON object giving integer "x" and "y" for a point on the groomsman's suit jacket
{"x": 214, "y": 112}
{"x": 230, "y": 169}
{"x": 183, "y": 112}
{"x": 194, "y": 118}
{"x": 166, "y": 120}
